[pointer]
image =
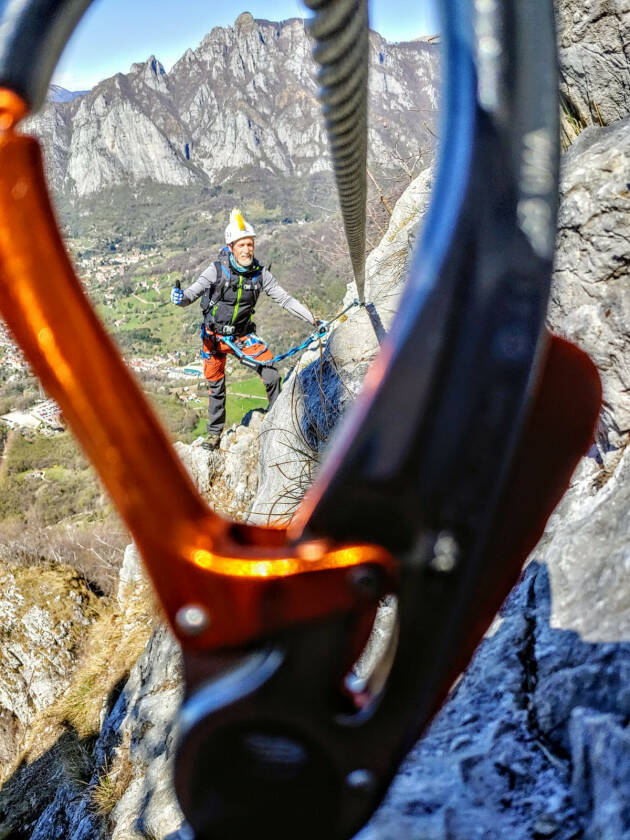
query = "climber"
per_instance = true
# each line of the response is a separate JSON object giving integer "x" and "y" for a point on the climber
{"x": 229, "y": 289}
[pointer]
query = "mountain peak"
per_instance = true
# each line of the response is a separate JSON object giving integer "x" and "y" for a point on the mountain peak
{"x": 245, "y": 21}
{"x": 151, "y": 65}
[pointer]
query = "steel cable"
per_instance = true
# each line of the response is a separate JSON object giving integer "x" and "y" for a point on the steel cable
{"x": 340, "y": 30}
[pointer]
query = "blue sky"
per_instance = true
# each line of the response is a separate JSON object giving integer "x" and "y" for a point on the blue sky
{"x": 115, "y": 33}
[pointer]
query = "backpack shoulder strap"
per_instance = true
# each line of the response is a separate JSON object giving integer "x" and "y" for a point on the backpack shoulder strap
{"x": 210, "y": 296}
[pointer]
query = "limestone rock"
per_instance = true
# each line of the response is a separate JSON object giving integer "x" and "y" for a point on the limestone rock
{"x": 289, "y": 442}
{"x": 519, "y": 749}
{"x": 114, "y": 141}
{"x": 594, "y": 38}
{"x": 44, "y": 612}
{"x": 590, "y": 302}
{"x": 69, "y": 816}
{"x": 533, "y": 741}
{"x": 600, "y": 756}
{"x": 137, "y": 735}
{"x": 228, "y": 476}
{"x": 356, "y": 341}
{"x": 492, "y": 765}
{"x": 131, "y": 576}
{"x": 592, "y": 523}
{"x": 387, "y": 265}
{"x": 143, "y": 717}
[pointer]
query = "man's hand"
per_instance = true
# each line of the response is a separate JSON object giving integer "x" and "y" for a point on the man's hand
{"x": 177, "y": 294}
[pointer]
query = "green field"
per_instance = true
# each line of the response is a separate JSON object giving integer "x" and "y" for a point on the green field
{"x": 47, "y": 479}
{"x": 237, "y": 405}
{"x": 186, "y": 421}
{"x": 242, "y": 396}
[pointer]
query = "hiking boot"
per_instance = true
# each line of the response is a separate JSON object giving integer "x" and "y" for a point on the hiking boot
{"x": 212, "y": 442}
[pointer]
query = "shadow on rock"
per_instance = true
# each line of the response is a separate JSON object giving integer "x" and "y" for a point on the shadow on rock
{"x": 326, "y": 393}
{"x": 533, "y": 742}
{"x": 50, "y": 796}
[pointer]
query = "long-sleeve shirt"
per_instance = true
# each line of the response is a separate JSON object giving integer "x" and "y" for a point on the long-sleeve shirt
{"x": 269, "y": 284}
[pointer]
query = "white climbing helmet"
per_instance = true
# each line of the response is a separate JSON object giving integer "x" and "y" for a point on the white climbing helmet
{"x": 237, "y": 227}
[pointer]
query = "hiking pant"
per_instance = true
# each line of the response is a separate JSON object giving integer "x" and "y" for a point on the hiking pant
{"x": 214, "y": 371}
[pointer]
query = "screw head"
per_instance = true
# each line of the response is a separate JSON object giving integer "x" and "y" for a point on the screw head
{"x": 361, "y": 781}
{"x": 192, "y": 619}
{"x": 445, "y": 553}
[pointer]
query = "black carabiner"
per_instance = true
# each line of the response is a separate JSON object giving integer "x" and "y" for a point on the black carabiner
{"x": 32, "y": 37}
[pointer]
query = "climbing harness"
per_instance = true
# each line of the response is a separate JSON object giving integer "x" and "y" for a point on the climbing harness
{"x": 437, "y": 484}
{"x": 236, "y": 345}
{"x": 228, "y": 306}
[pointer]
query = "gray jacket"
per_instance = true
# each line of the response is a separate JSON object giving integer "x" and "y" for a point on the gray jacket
{"x": 269, "y": 284}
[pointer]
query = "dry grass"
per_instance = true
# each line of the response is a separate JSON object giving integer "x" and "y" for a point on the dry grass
{"x": 56, "y": 588}
{"x": 113, "y": 643}
{"x": 571, "y": 123}
{"x": 114, "y": 781}
{"x": 95, "y": 550}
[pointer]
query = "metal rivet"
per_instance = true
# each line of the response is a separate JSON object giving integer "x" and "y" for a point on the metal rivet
{"x": 445, "y": 553}
{"x": 361, "y": 781}
{"x": 192, "y": 619}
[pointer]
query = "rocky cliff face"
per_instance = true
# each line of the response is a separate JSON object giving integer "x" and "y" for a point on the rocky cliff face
{"x": 534, "y": 740}
{"x": 86, "y": 745}
{"x": 591, "y": 296}
{"x": 326, "y": 380}
{"x": 43, "y": 615}
{"x": 244, "y": 97}
{"x": 594, "y": 44}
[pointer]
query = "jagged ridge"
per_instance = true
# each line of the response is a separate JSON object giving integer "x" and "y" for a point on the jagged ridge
{"x": 245, "y": 96}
